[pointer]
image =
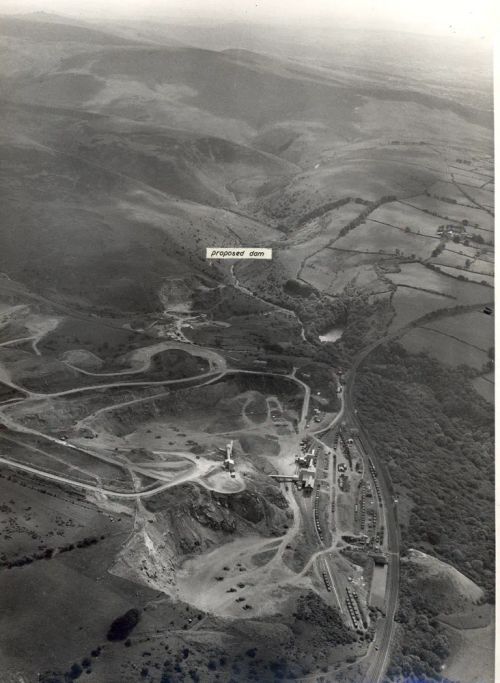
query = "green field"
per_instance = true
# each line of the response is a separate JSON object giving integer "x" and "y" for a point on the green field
{"x": 411, "y": 304}
{"x": 418, "y": 276}
{"x": 475, "y": 328}
{"x": 374, "y": 237}
{"x": 469, "y": 275}
{"x": 453, "y": 259}
{"x": 456, "y": 211}
{"x": 402, "y": 215}
{"x": 446, "y": 349}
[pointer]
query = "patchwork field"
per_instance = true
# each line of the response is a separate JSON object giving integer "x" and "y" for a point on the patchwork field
{"x": 482, "y": 197}
{"x": 374, "y": 237}
{"x": 453, "y": 210}
{"x": 447, "y": 192}
{"x": 418, "y": 276}
{"x": 402, "y": 215}
{"x": 411, "y": 303}
{"x": 450, "y": 259}
{"x": 314, "y": 236}
{"x": 474, "y": 328}
{"x": 483, "y": 265}
{"x": 468, "y": 275}
{"x": 458, "y": 257}
{"x": 443, "y": 347}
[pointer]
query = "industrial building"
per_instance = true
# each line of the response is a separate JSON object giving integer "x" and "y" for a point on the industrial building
{"x": 229, "y": 461}
{"x": 306, "y": 471}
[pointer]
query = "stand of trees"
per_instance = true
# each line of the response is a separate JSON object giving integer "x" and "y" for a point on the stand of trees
{"x": 435, "y": 435}
{"x": 123, "y": 626}
{"x": 48, "y": 553}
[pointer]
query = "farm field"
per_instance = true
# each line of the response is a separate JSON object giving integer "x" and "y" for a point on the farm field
{"x": 444, "y": 348}
{"x": 483, "y": 265}
{"x": 460, "y": 249}
{"x": 454, "y": 211}
{"x": 457, "y": 259}
{"x": 444, "y": 189}
{"x": 475, "y": 328}
{"x": 402, "y": 215}
{"x": 418, "y": 276}
{"x": 469, "y": 179}
{"x": 469, "y": 275}
{"x": 482, "y": 197}
{"x": 410, "y": 304}
{"x": 374, "y": 237}
{"x": 453, "y": 259}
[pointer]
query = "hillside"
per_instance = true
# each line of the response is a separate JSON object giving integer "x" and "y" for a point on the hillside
{"x": 114, "y": 125}
{"x": 192, "y": 449}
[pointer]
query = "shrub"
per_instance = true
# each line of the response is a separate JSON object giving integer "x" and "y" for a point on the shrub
{"x": 123, "y": 626}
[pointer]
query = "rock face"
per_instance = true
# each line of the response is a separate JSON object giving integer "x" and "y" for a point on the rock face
{"x": 254, "y": 507}
{"x": 198, "y": 519}
{"x": 190, "y": 520}
{"x": 148, "y": 559}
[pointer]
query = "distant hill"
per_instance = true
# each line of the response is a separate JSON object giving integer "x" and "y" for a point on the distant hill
{"x": 41, "y": 27}
{"x": 135, "y": 155}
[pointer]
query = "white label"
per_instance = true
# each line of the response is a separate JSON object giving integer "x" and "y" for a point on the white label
{"x": 239, "y": 253}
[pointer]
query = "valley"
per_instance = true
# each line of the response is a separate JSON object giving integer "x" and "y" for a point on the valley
{"x": 213, "y": 452}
